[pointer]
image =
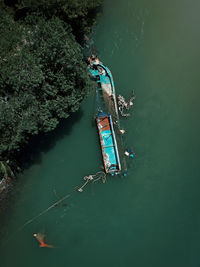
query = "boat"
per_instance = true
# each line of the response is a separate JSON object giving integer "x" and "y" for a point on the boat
{"x": 107, "y": 118}
{"x": 108, "y": 143}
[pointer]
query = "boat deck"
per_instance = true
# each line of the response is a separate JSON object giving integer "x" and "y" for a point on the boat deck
{"x": 112, "y": 145}
{"x": 108, "y": 144}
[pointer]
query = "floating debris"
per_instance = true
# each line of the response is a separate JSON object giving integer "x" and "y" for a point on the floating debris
{"x": 93, "y": 178}
{"x": 40, "y": 238}
{"x": 122, "y": 131}
{"x": 125, "y": 105}
{"x": 129, "y": 153}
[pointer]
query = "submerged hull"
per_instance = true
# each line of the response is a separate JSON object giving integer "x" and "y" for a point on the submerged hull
{"x": 111, "y": 140}
{"x": 108, "y": 144}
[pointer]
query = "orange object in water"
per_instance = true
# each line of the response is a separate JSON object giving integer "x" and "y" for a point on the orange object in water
{"x": 40, "y": 239}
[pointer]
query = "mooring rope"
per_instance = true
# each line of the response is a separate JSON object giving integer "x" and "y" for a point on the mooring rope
{"x": 99, "y": 175}
{"x": 37, "y": 216}
{"x": 43, "y": 212}
{"x": 91, "y": 178}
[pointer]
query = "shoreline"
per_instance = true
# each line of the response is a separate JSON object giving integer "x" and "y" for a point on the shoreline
{"x": 16, "y": 156}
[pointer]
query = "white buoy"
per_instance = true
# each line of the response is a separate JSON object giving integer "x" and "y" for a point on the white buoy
{"x": 122, "y": 131}
{"x": 127, "y": 153}
{"x": 80, "y": 190}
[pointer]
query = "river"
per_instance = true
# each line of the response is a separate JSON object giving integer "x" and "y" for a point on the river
{"x": 151, "y": 217}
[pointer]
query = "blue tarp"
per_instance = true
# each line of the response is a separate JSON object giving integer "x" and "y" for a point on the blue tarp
{"x": 109, "y": 146}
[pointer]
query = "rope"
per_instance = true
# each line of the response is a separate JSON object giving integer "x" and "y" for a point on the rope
{"x": 93, "y": 177}
{"x": 43, "y": 212}
{"x": 87, "y": 180}
{"x": 35, "y": 217}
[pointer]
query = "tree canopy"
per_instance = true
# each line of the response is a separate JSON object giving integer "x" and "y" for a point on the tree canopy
{"x": 43, "y": 76}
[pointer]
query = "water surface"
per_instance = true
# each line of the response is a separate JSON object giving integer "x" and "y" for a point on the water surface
{"x": 150, "y": 218}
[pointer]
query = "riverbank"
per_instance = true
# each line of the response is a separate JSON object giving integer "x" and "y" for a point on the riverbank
{"x": 6, "y": 189}
{"x": 37, "y": 41}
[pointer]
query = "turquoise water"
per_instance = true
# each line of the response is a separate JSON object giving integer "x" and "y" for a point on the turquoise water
{"x": 151, "y": 217}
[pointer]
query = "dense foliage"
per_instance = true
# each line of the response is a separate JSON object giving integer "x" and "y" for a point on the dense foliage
{"x": 42, "y": 73}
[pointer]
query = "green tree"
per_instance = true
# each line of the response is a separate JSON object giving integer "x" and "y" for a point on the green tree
{"x": 80, "y": 14}
{"x": 43, "y": 79}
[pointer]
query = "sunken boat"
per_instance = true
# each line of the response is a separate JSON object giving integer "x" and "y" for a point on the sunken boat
{"x": 107, "y": 118}
{"x": 108, "y": 143}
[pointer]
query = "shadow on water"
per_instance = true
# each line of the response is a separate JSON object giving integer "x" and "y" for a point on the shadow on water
{"x": 32, "y": 154}
{"x": 44, "y": 142}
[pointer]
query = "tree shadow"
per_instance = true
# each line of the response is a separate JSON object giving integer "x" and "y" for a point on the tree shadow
{"x": 31, "y": 154}
{"x": 44, "y": 142}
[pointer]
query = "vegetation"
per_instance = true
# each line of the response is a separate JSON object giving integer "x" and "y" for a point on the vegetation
{"x": 43, "y": 77}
